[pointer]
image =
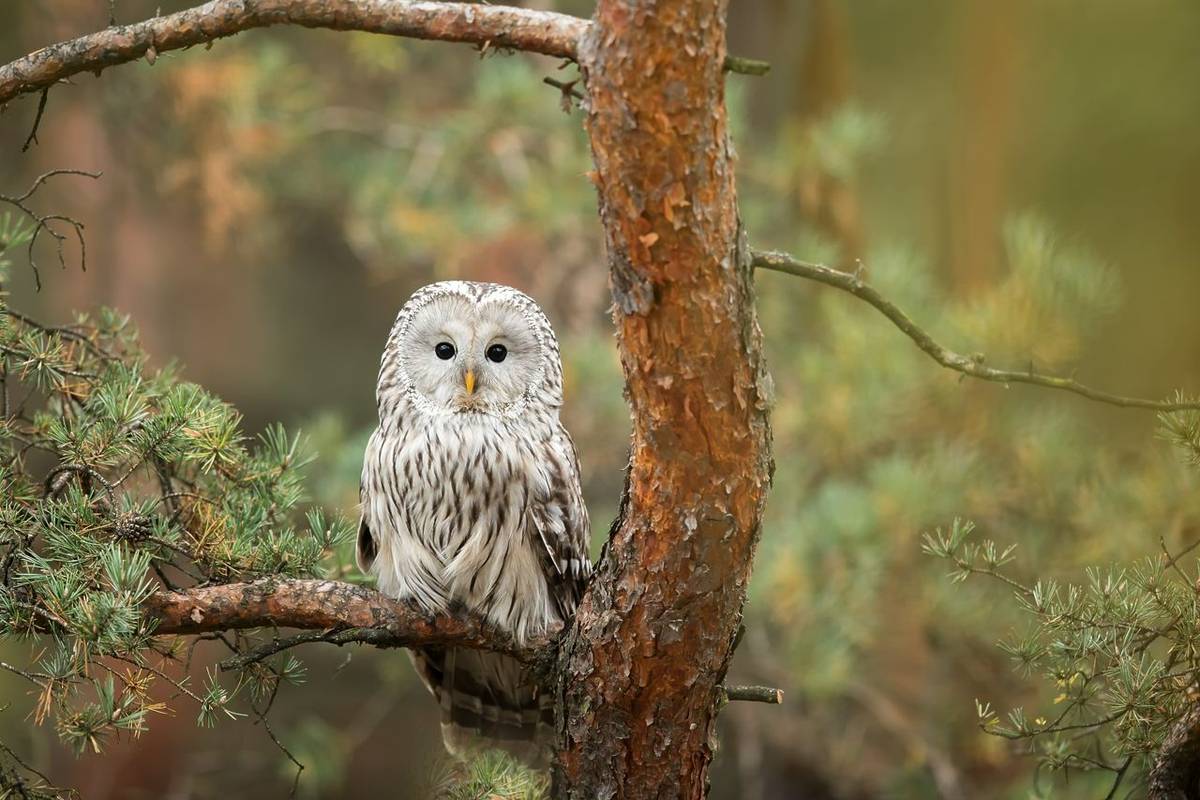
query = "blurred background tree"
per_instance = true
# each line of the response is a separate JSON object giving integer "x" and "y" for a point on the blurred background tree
{"x": 1018, "y": 176}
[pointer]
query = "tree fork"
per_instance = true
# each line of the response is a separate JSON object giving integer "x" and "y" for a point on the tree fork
{"x": 642, "y": 666}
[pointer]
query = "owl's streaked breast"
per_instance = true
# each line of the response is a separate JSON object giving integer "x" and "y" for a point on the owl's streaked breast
{"x": 471, "y": 496}
{"x": 450, "y": 505}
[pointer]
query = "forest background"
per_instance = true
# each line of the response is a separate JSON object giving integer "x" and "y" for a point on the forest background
{"x": 1019, "y": 176}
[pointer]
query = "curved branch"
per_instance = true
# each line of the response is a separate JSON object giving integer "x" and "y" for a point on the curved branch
{"x": 344, "y": 612}
{"x": 486, "y": 26}
{"x": 967, "y": 365}
{"x": 44, "y": 223}
{"x": 543, "y": 32}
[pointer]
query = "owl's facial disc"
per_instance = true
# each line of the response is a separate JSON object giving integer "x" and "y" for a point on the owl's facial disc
{"x": 465, "y": 357}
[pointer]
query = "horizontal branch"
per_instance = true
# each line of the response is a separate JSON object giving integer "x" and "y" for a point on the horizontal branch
{"x": 967, "y": 365}
{"x": 543, "y": 32}
{"x": 486, "y": 26}
{"x": 340, "y": 612}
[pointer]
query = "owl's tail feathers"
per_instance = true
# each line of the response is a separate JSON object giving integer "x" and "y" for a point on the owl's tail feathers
{"x": 489, "y": 701}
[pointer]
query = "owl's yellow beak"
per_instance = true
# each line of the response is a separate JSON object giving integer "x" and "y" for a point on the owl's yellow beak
{"x": 469, "y": 381}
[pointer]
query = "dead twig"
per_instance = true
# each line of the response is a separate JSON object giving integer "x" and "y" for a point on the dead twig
{"x": 45, "y": 223}
{"x": 37, "y": 120}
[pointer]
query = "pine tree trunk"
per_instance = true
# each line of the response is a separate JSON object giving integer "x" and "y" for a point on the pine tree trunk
{"x": 641, "y": 667}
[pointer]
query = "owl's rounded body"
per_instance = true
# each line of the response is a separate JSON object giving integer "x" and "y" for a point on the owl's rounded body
{"x": 470, "y": 495}
{"x": 450, "y": 511}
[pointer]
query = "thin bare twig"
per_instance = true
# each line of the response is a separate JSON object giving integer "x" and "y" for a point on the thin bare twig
{"x": 37, "y": 120}
{"x": 1173, "y": 560}
{"x": 567, "y": 90}
{"x": 288, "y": 753}
{"x": 45, "y": 176}
{"x": 23, "y": 764}
{"x": 373, "y": 636}
{"x": 29, "y": 676}
{"x": 62, "y": 331}
{"x": 1120, "y": 776}
{"x": 44, "y": 223}
{"x": 967, "y": 365}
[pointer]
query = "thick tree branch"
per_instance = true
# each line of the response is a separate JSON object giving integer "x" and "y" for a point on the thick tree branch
{"x": 339, "y": 612}
{"x": 486, "y": 26}
{"x": 967, "y": 365}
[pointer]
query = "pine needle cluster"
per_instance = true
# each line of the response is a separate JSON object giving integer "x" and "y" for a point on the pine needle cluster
{"x": 492, "y": 775}
{"x": 118, "y": 480}
{"x": 1120, "y": 649}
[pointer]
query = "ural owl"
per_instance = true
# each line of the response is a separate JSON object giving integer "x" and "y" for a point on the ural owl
{"x": 470, "y": 495}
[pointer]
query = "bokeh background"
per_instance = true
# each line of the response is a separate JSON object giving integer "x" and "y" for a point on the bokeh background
{"x": 1020, "y": 175}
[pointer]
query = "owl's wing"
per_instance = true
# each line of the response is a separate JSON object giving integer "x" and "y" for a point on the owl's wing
{"x": 366, "y": 549}
{"x": 367, "y": 546}
{"x": 559, "y": 520}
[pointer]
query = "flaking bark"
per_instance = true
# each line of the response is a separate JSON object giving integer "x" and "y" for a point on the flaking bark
{"x": 641, "y": 668}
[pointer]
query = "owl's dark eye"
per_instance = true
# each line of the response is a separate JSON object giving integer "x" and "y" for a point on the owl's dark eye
{"x": 444, "y": 350}
{"x": 496, "y": 353}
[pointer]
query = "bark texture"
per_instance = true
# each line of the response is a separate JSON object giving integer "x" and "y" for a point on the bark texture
{"x": 324, "y": 605}
{"x": 1176, "y": 771}
{"x": 494, "y": 26}
{"x": 641, "y": 669}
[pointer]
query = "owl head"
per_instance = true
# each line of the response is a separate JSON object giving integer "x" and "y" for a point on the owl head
{"x": 465, "y": 347}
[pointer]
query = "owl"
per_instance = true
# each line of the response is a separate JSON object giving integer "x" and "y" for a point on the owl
{"x": 471, "y": 498}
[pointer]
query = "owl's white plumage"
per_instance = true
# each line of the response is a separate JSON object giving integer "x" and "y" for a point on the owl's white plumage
{"x": 470, "y": 492}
